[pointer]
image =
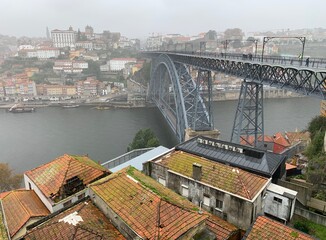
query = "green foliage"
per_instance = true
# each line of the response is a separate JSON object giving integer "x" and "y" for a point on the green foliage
{"x": 93, "y": 69}
{"x": 144, "y": 138}
{"x": 301, "y": 226}
{"x": 317, "y": 124}
{"x": 321, "y": 195}
{"x": 315, "y": 148}
{"x": 143, "y": 75}
{"x": 311, "y": 228}
{"x": 9, "y": 180}
{"x": 317, "y": 169}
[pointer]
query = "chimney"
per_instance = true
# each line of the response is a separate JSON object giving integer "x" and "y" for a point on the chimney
{"x": 196, "y": 171}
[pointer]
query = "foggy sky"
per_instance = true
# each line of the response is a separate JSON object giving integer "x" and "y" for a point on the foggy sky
{"x": 140, "y": 18}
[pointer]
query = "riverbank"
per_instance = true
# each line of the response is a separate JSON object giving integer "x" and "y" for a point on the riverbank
{"x": 140, "y": 103}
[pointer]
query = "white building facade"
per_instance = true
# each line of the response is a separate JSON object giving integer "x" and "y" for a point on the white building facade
{"x": 118, "y": 64}
{"x": 64, "y": 38}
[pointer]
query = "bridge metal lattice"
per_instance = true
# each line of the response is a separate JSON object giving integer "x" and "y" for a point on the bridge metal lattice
{"x": 248, "y": 127}
{"x": 305, "y": 81}
{"x": 309, "y": 82}
{"x": 179, "y": 98}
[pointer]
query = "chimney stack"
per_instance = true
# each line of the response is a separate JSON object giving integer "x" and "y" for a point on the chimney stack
{"x": 196, "y": 171}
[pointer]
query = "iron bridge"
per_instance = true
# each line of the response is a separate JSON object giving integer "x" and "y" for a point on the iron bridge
{"x": 185, "y": 99}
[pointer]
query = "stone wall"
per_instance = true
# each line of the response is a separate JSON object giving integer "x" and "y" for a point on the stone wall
{"x": 314, "y": 217}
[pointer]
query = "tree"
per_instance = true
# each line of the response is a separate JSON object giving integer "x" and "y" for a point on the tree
{"x": 233, "y": 33}
{"x": 93, "y": 69}
{"x": 8, "y": 180}
{"x": 144, "y": 138}
{"x": 316, "y": 170}
{"x": 317, "y": 124}
{"x": 315, "y": 151}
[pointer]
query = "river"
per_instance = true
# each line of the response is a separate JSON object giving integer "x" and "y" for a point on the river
{"x": 31, "y": 139}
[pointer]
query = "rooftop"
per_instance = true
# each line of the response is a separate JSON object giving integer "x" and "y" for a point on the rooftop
{"x": 82, "y": 221}
{"x": 149, "y": 208}
{"x": 19, "y": 207}
{"x": 244, "y": 157}
{"x": 233, "y": 180}
{"x": 52, "y": 176}
{"x": 266, "y": 228}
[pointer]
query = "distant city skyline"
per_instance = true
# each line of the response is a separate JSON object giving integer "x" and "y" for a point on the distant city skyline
{"x": 139, "y": 19}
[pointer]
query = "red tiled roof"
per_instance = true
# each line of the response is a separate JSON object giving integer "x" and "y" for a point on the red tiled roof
{"x": 93, "y": 225}
{"x": 222, "y": 229}
{"x": 281, "y": 140}
{"x": 19, "y": 206}
{"x": 289, "y": 166}
{"x": 268, "y": 229}
{"x": 221, "y": 176}
{"x": 294, "y": 137}
{"x": 152, "y": 211}
{"x": 50, "y": 177}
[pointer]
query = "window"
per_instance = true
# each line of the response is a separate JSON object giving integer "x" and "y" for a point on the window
{"x": 29, "y": 186}
{"x": 81, "y": 196}
{"x": 162, "y": 181}
{"x": 278, "y": 200}
{"x": 206, "y": 201}
{"x": 185, "y": 191}
{"x": 67, "y": 204}
{"x": 219, "y": 204}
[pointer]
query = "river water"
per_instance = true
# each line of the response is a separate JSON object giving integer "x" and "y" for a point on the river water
{"x": 31, "y": 139}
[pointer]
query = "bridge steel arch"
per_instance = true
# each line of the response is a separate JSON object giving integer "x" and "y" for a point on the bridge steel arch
{"x": 175, "y": 93}
{"x": 303, "y": 80}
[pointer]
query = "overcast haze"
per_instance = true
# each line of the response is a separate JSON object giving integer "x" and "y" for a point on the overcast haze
{"x": 139, "y": 18}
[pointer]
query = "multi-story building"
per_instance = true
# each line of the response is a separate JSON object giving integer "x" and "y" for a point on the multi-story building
{"x": 154, "y": 42}
{"x": 64, "y": 38}
{"x": 118, "y": 64}
{"x": 228, "y": 184}
{"x": 69, "y": 66}
{"x": 89, "y": 87}
{"x": 46, "y": 53}
{"x": 85, "y": 45}
{"x": 25, "y": 88}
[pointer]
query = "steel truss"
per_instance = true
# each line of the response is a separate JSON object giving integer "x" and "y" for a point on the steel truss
{"x": 179, "y": 97}
{"x": 248, "y": 126}
{"x": 309, "y": 82}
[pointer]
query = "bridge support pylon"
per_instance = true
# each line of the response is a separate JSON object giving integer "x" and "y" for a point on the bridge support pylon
{"x": 248, "y": 126}
{"x": 189, "y": 133}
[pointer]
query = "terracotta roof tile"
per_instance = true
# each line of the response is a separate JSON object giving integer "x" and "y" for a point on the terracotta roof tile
{"x": 221, "y": 176}
{"x": 93, "y": 225}
{"x": 294, "y": 137}
{"x": 50, "y": 177}
{"x": 19, "y": 206}
{"x": 149, "y": 208}
{"x": 281, "y": 140}
{"x": 268, "y": 229}
{"x": 221, "y": 229}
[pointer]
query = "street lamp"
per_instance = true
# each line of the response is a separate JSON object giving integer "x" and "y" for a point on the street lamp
{"x": 255, "y": 41}
{"x": 202, "y": 44}
{"x": 301, "y": 39}
{"x": 188, "y": 43}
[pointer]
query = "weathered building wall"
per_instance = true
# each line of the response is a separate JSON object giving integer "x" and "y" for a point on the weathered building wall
{"x": 304, "y": 190}
{"x": 234, "y": 210}
{"x": 278, "y": 206}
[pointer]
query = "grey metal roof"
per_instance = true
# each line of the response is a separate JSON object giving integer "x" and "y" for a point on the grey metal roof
{"x": 251, "y": 159}
{"x": 137, "y": 162}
